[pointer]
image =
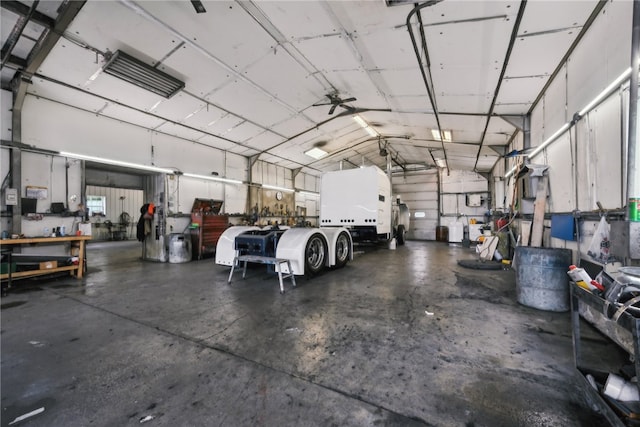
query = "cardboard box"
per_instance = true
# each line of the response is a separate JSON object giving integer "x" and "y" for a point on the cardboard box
{"x": 48, "y": 265}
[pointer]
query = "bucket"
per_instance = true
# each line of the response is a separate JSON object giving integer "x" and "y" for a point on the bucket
{"x": 442, "y": 233}
{"x": 179, "y": 248}
{"x": 541, "y": 277}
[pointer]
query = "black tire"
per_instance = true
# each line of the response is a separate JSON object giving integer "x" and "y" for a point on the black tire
{"x": 343, "y": 250}
{"x": 400, "y": 235}
{"x": 315, "y": 254}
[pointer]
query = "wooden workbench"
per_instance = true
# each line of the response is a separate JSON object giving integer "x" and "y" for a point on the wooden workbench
{"x": 76, "y": 270}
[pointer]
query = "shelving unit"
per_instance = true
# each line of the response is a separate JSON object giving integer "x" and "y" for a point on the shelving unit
{"x": 597, "y": 312}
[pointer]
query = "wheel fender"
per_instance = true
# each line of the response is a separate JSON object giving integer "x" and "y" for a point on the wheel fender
{"x": 225, "y": 248}
{"x": 292, "y": 245}
{"x": 332, "y": 234}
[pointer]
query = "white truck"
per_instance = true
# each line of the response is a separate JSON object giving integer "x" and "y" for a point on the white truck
{"x": 355, "y": 205}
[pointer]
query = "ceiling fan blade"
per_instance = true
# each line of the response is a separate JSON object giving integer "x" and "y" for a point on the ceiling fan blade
{"x": 333, "y": 108}
{"x": 348, "y": 100}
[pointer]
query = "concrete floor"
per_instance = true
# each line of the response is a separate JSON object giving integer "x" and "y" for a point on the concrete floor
{"x": 174, "y": 345}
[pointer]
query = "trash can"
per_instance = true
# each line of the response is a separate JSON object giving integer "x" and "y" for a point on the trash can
{"x": 179, "y": 248}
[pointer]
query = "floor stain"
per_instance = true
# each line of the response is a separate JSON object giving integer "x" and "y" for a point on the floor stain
{"x": 12, "y": 304}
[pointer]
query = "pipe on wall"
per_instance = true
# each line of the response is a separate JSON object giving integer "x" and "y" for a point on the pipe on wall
{"x": 633, "y": 179}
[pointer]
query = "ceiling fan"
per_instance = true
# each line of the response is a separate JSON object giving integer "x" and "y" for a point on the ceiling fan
{"x": 335, "y": 101}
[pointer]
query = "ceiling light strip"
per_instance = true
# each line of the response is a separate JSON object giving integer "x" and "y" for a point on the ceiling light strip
{"x": 359, "y": 120}
{"x": 116, "y": 162}
{"x": 275, "y": 187}
{"x": 212, "y": 178}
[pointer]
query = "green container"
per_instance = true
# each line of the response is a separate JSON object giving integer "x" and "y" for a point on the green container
{"x": 4, "y": 267}
{"x": 634, "y": 204}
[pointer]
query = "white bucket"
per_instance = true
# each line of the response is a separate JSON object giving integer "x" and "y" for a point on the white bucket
{"x": 392, "y": 244}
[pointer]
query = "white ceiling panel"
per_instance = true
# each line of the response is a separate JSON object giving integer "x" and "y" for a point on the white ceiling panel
{"x": 179, "y": 131}
{"x": 537, "y": 55}
{"x": 204, "y": 74}
{"x": 265, "y": 140}
{"x": 541, "y": 17}
{"x": 296, "y": 20}
{"x": 292, "y": 126}
{"x": 244, "y": 131}
{"x": 128, "y": 115}
{"x": 206, "y": 117}
{"x": 112, "y": 25}
{"x": 517, "y": 94}
{"x": 329, "y": 54}
{"x": 279, "y": 74}
{"x": 65, "y": 95}
{"x": 393, "y": 59}
{"x": 181, "y": 108}
{"x": 226, "y": 31}
{"x": 254, "y": 70}
{"x": 240, "y": 96}
{"x": 215, "y": 142}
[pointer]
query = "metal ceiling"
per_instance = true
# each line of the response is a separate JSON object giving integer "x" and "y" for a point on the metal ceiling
{"x": 255, "y": 72}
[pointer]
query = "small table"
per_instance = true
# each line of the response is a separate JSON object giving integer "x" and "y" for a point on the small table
{"x": 264, "y": 260}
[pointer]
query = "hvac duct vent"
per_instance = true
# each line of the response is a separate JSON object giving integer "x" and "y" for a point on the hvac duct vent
{"x": 143, "y": 75}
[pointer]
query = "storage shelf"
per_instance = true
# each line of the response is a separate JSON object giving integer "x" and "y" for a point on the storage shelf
{"x": 29, "y": 273}
{"x": 597, "y": 312}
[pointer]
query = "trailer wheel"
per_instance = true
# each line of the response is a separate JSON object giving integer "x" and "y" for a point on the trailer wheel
{"x": 315, "y": 254}
{"x": 401, "y": 234}
{"x": 342, "y": 250}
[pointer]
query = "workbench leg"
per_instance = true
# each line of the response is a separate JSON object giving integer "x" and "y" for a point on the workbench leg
{"x": 80, "y": 270}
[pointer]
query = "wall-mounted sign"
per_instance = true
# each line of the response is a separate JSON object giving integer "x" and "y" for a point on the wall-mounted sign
{"x": 34, "y": 192}
{"x": 11, "y": 196}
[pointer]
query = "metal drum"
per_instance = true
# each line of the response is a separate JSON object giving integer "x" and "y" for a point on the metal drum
{"x": 541, "y": 277}
{"x": 179, "y": 248}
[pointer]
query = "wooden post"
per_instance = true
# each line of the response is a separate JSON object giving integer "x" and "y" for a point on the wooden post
{"x": 538, "y": 211}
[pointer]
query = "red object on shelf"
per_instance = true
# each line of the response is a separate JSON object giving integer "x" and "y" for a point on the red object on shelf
{"x": 501, "y": 223}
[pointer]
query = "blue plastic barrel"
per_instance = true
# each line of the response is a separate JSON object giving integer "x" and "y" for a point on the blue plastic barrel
{"x": 541, "y": 277}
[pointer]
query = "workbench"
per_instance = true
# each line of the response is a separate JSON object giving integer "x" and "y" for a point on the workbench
{"x": 76, "y": 249}
{"x": 277, "y": 262}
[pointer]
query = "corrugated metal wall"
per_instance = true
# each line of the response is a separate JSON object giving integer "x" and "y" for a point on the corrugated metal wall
{"x": 419, "y": 190}
{"x": 118, "y": 200}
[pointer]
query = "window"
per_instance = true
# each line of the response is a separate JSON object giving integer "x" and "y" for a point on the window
{"x": 96, "y": 205}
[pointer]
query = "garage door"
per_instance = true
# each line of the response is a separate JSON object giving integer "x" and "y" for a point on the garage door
{"x": 419, "y": 190}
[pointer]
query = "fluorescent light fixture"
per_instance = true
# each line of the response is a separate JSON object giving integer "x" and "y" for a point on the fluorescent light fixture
{"x": 508, "y": 174}
{"x": 445, "y": 135}
{"x": 360, "y": 121}
{"x": 371, "y": 131}
{"x": 213, "y": 178}
{"x": 625, "y": 75}
{"x": 549, "y": 140}
{"x": 274, "y": 187}
{"x": 316, "y": 153}
{"x": 143, "y": 75}
{"x": 307, "y": 193}
{"x": 595, "y": 101}
{"x": 116, "y": 162}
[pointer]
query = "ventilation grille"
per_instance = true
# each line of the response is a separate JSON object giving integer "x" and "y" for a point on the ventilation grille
{"x": 140, "y": 74}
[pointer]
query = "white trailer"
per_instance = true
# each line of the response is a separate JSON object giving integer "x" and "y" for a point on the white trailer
{"x": 355, "y": 204}
{"x": 360, "y": 199}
